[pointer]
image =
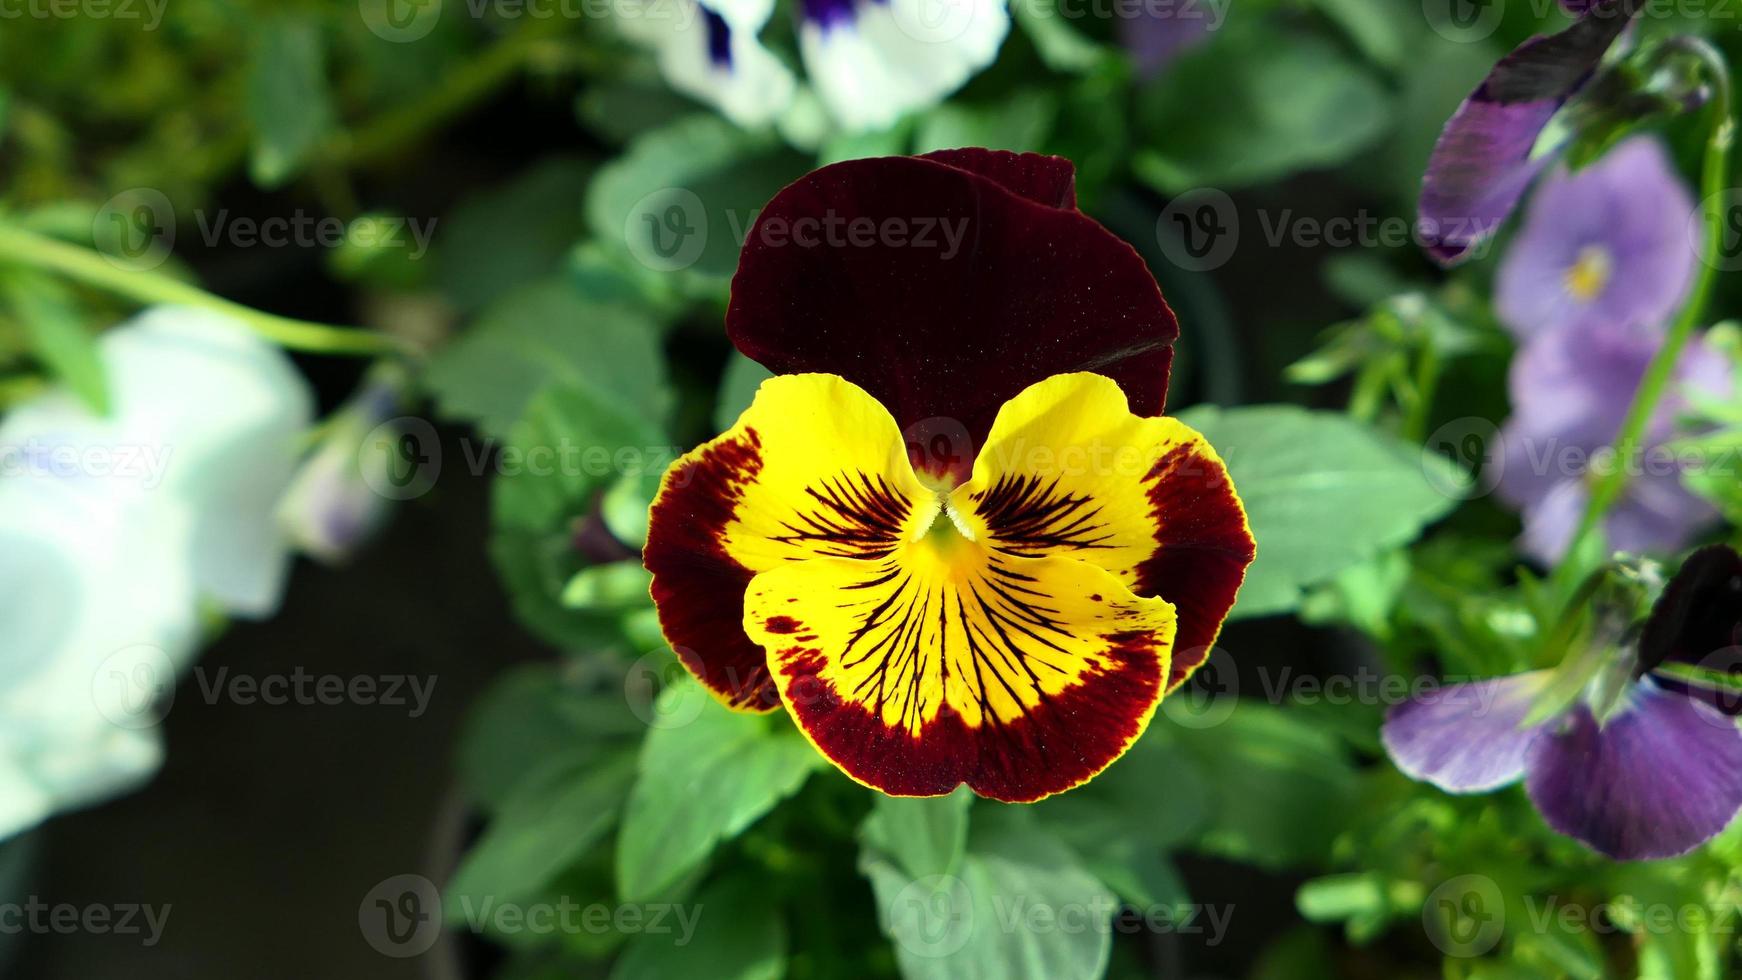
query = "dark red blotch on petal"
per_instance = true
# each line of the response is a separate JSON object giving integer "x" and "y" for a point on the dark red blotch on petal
{"x": 1059, "y": 744}
{"x": 1204, "y": 548}
{"x": 697, "y": 587}
{"x": 944, "y": 286}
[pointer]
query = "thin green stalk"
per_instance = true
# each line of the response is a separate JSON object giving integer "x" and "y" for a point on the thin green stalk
{"x": 1609, "y": 486}
{"x": 31, "y": 250}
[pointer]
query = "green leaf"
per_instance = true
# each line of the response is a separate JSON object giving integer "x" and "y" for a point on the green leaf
{"x": 1281, "y": 790}
{"x": 1021, "y": 122}
{"x": 1323, "y": 492}
{"x": 570, "y": 446}
{"x": 1263, "y": 106}
{"x": 1021, "y": 908}
{"x": 513, "y": 234}
{"x": 289, "y": 106}
{"x": 618, "y": 585}
{"x": 708, "y": 774}
{"x": 676, "y": 207}
{"x": 527, "y": 717}
{"x": 1381, "y": 30}
{"x": 549, "y": 332}
{"x": 553, "y": 818}
{"x": 924, "y": 836}
{"x": 1061, "y": 46}
{"x": 738, "y": 389}
{"x": 57, "y": 334}
{"x": 738, "y": 935}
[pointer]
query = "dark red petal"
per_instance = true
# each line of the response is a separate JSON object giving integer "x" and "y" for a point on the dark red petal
{"x": 982, "y": 293}
{"x": 698, "y": 587}
{"x": 1051, "y": 181}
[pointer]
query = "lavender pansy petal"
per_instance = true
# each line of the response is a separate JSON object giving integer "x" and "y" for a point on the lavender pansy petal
{"x": 1657, "y": 514}
{"x": 1465, "y": 738}
{"x": 1606, "y": 246}
{"x": 1661, "y": 778}
{"x": 1549, "y": 523}
{"x": 1482, "y": 162}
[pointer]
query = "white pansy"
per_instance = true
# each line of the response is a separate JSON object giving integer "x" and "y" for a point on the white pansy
{"x": 100, "y": 609}
{"x": 204, "y": 416}
{"x": 114, "y": 530}
{"x": 873, "y": 61}
{"x": 711, "y": 52}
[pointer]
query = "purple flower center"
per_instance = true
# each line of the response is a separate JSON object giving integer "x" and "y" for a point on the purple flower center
{"x": 829, "y": 14}
{"x": 719, "y": 38}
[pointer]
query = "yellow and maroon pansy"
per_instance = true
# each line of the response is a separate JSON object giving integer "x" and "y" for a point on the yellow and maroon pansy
{"x": 1006, "y": 613}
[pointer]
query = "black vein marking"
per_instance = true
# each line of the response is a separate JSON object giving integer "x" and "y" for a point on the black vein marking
{"x": 1009, "y": 631}
{"x": 1030, "y": 517}
{"x": 858, "y": 516}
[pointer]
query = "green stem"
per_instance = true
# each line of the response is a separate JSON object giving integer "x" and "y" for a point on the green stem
{"x": 29, "y": 249}
{"x": 1608, "y": 487}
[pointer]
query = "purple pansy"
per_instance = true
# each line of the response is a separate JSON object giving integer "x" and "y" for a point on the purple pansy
{"x": 1606, "y": 246}
{"x": 1641, "y": 772}
{"x": 1163, "y": 33}
{"x": 1483, "y": 160}
{"x": 1570, "y": 392}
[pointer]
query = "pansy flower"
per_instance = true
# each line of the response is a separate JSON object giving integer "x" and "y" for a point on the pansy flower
{"x": 121, "y": 533}
{"x": 953, "y": 536}
{"x": 869, "y": 61}
{"x": 1606, "y": 246}
{"x": 1484, "y": 158}
{"x": 1570, "y": 392}
{"x": 1644, "y": 764}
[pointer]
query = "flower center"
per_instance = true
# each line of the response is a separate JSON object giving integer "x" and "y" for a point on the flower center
{"x": 1590, "y": 273}
{"x": 948, "y": 532}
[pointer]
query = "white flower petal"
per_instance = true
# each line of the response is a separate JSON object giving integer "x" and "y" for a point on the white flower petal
{"x": 205, "y": 417}
{"x": 890, "y": 57}
{"x": 745, "y": 80}
{"x": 101, "y": 588}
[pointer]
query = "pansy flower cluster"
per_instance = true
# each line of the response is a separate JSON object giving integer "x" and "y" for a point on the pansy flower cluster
{"x": 1642, "y": 761}
{"x": 953, "y": 537}
{"x": 1604, "y": 258}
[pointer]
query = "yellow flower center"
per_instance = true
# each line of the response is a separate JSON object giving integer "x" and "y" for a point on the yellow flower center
{"x": 1590, "y": 273}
